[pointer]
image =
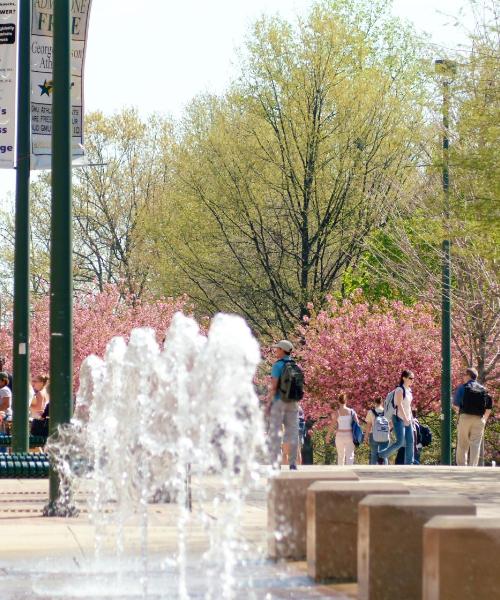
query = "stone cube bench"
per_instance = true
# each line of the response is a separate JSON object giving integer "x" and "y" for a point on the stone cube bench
{"x": 332, "y": 525}
{"x": 286, "y": 510}
{"x": 459, "y": 558}
{"x": 390, "y": 534}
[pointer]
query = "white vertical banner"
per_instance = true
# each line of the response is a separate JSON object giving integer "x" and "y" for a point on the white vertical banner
{"x": 8, "y": 61}
{"x": 41, "y": 78}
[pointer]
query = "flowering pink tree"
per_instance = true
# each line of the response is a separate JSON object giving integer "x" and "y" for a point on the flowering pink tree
{"x": 361, "y": 350}
{"x": 97, "y": 317}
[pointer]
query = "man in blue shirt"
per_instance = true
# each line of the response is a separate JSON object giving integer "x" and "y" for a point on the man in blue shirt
{"x": 283, "y": 416}
{"x": 474, "y": 405}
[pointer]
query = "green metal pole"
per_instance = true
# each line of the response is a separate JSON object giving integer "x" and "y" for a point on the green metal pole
{"x": 20, "y": 351}
{"x": 446, "y": 358}
{"x": 446, "y": 300}
{"x": 61, "y": 267}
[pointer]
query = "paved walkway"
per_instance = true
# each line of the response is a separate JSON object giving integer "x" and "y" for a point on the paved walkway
{"x": 42, "y": 558}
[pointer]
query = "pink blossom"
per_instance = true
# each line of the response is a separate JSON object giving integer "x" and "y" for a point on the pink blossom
{"x": 361, "y": 350}
{"x": 97, "y": 317}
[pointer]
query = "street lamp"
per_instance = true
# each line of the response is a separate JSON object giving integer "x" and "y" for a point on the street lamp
{"x": 447, "y": 70}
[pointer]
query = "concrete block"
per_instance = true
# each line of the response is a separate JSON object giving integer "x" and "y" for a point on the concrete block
{"x": 459, "y": 558}
{"x": 332, "y": 525}
{"x": 390, "y": 534}
{"x": 286, "y": 510}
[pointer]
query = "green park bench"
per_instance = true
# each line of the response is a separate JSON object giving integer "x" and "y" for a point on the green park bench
{"x": 24, "y": 465}
{"x": 34, "y": 440}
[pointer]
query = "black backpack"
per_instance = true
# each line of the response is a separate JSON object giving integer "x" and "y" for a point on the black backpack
{"x": 475, "y": 399}
{"x": 291, "y": 383}
{"x": 425, "y": 436}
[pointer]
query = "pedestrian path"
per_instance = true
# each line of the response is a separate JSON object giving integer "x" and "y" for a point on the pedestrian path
{"x": 28, "y": 538}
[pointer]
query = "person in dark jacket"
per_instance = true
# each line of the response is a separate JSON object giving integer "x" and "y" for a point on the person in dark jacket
{"x": 474, "y": 405}
{"x": 307, "y": 449}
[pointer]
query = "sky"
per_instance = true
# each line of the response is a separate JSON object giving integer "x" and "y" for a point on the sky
{"x": 156, "y": 55}
{"x": 189, "y": 46}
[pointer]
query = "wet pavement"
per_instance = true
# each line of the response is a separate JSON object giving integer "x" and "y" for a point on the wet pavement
{"x": 49, "y": 558}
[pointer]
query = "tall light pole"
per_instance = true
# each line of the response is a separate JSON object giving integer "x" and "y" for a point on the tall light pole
{"x": 446, "y": 69}
{"x": 61, "y": 264}
{"x": 20, "y": 350}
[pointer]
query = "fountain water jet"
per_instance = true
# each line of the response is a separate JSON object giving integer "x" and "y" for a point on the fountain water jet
{"x": 145, "y": 419}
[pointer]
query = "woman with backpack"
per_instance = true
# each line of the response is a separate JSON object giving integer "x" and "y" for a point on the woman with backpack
{"x": 377, "y": 431}
{"x": 342, "y": 421}
{"x": 397, "y": 405}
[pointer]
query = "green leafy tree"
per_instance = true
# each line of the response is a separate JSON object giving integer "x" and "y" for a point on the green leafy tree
{"x": 125, "y": 171}
{"x": 475, "y": 149}
{"x": 408, "y": 257}
{"x": 277, "y": 184}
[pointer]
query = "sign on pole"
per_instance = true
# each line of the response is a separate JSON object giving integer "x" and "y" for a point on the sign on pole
{"x": 42, "y": 83}
{"x": 8, "y": 60}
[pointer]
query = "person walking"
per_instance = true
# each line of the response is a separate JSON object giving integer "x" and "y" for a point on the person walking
{"x": 377, "y": 426}
{"x": 402, "y": 419}
{"x": 474, "y": 405}
{"x": 342, "y": 422}
{"x": 283, "y": 416}
{"x": 308, "y": 446}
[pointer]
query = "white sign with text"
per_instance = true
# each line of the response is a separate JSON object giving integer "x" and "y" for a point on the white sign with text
{"x": 42, "y": 83}
{"x": 8, "y": 61}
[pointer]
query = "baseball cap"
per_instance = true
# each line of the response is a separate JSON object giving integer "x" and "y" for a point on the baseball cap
{"x": 284, "y": 345}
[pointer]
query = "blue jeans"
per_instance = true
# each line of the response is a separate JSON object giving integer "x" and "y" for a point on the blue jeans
{"x": 375, "y": 448}
{"x": 404, "y": 437}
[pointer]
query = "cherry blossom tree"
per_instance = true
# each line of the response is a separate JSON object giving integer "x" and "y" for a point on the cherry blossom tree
{"x": 97, "y": 317}
{"x": 360, "y": 349}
